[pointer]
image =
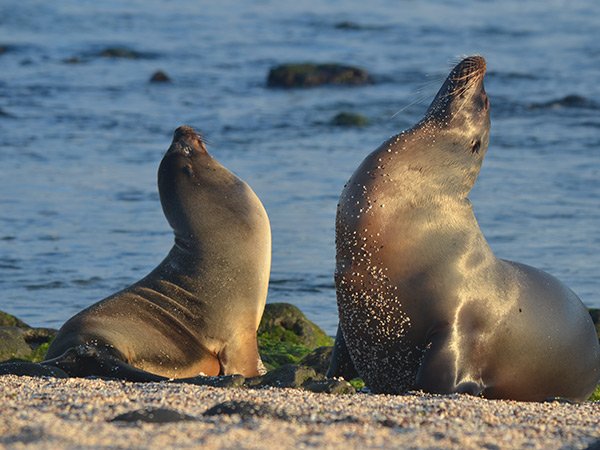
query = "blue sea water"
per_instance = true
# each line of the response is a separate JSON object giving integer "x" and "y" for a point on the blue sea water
{"x": 81, "y": 136}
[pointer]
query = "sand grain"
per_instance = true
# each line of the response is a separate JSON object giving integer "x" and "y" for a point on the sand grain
{"x": 76, "y": 413}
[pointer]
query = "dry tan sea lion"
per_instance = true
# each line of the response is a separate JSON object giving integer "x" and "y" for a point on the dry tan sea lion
{"x": 198, "y": 311}
{"x": 423, "y": 301}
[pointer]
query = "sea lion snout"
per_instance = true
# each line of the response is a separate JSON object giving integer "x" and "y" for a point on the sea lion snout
{"x": 184, "y": 131}
{"x": 186, "y": 141}
{"x": 470, "y": 66}
{"x": 467, "y": 77}
{"x": 462, "y": 97}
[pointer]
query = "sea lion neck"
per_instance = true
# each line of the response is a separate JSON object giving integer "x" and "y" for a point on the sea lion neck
{"x": 422, "y": 163}
{"x": 189, "y": 182}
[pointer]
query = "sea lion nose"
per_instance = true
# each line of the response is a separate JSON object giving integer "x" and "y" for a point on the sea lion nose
{"x": 185, "y": 140}
{"x": 464, "y": 70}
{"x": 184, "y": 132}
{"x": 472, "y": 64}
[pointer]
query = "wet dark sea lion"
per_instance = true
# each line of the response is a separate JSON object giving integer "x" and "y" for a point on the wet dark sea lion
{"x": 423, "y": 301}
{"x": 199, "y": 310}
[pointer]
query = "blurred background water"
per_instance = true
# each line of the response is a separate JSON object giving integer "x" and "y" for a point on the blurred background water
{"x": 81, "y": 136}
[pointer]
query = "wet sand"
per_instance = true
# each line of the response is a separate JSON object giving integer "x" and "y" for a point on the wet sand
{"x": 75, "y": 413}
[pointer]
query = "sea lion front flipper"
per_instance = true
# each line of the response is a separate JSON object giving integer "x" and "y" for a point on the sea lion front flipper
{"x": 30, "y": 369}
{"x": 87, "y": 360}
{"x": 241, "y": 356}
{"x": 439, "y": 373}
{"x": 341, "y": 364}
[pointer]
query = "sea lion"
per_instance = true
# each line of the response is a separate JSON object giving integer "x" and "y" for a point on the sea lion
{"x": 199, "y": 310}
{"x": 423, "y": 302}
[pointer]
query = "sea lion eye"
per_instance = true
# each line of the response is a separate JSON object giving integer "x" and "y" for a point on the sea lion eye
{"x": 187, "y": 151}
{"x": 475, "y": 146}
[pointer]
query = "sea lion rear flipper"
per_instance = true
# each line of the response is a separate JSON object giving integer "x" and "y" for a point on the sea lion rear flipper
{"x": 341, "y": 364}
{"x": 87, "y": 360}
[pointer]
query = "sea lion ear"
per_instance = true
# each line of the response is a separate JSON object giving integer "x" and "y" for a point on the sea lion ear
{"x": 475, "y": 145}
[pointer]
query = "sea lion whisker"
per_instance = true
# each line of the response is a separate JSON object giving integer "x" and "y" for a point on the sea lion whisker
{"x": 414, "y": 102}
{"x": 420, "y": 95}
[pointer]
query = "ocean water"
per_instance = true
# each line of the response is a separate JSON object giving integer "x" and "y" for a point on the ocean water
{"x": 81, "y": 136}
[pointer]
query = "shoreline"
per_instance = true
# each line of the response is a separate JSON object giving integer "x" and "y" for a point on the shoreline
{"x": 42, "y": 413}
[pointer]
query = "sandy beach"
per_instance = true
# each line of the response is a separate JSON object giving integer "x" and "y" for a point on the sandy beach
{"x": 76, "y": 413}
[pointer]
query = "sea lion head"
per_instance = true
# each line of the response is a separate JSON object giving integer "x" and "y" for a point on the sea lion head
{"x": 198, "y": 195}
{"x": 462, "y": 100}
{"x": 457, "y": 127}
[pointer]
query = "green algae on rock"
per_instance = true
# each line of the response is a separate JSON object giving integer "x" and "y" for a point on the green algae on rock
{"x": 286, "y": 322}
{"x": 8, "y": 320}
{"x": 595, "y": 397}
{"x": 348, "y": 119}
{"x": 20, "y": 341}
{"x": 285, "y": 335}
{"x": 12, "y": 344}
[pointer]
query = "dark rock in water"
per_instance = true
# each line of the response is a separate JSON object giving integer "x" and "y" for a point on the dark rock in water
{"x": 329, "y": 386}
{"x": 8, "y": 320}
{"x": 160, "y": 77}
{"x": 595, "y": 313}
{"x": 26, "y": 368}
{"x": 244, "y": 409}
{"x": 13, "y": 344}
{"x": 225, "y": 381}
{"x": 569, "y": 101}
{"x": 347, "y": 25}
{"x": 288, "y": 376}
{"x": 308, "y": 75}
{"x": 109, "y": 52}
{"x": 153, "y": 415}
{"x": 347, "y": 119}
{"x": 73, "y": 60}
{"x": 5, "y": 114}
{"x": 318, "y": 359}
{"x": 121, "y": 52}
